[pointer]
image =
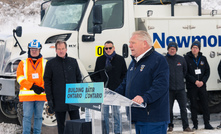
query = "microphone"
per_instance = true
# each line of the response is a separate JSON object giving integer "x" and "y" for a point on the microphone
{"x": 106, "y": 69}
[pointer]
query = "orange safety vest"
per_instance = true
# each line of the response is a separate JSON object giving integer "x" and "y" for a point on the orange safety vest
{"x": 28, "y": 74}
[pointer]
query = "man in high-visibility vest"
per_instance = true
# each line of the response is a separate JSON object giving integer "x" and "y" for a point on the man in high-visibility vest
{"x": 30, "y": 77}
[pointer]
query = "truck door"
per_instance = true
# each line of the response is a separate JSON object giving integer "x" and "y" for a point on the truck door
{"x": 115, "y": 27}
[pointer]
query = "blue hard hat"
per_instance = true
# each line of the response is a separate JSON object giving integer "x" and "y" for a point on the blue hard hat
{"x": 34, "y": 44}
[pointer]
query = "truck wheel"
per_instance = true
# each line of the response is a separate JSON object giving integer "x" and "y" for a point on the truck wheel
{"x": 8, "y": 108}
{"x": 214, "y": 102}
{"x": 49, "y": 118}
{"x": 20, "y": 112}
{"x": 214, "y": 98}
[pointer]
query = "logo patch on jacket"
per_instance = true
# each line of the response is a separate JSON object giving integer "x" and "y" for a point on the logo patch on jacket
{"x": 142, "y": 67}
{"x": 131, "y": 69}
{"x": 179, "y": 64}
{"x": 201, "y": 63}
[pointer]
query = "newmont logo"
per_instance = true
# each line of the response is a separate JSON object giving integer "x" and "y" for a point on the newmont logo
{"x": 185, "y": 41}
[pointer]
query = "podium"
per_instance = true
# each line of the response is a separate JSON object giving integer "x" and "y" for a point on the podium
{"x": 111, "y": 116}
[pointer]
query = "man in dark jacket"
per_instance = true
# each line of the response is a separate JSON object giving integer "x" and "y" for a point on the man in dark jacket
{"x": 197, "y": 75}
{"x": 58, "y": 72}
{"x": 116, "y": 75}
{"x": 178, "y": 69}
{"x": 147, "y": 81}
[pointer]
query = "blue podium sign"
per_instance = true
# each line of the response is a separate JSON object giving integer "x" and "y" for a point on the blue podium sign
{"x": 85, "y": 92}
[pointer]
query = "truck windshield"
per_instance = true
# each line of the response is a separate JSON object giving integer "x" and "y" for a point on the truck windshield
{"x": 65, "y": 14}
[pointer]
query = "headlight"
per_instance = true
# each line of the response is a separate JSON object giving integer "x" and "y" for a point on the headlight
{"x": 12, "y": 67}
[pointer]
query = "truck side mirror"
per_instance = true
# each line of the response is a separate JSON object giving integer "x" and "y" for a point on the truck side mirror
{"x": 97, "y": 29}
{"x": 42, "y": 14}
{"x": 97, "y": 15}
{"x": 18, "y": 31}
{"x": 43, "y": 10}
{"x": 125, "y": 50}
{"x": 97, "y": 19}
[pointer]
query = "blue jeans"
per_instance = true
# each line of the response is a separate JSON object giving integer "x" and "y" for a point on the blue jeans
{"x": 116, "y": 116}
{"x": 30, "y": 107}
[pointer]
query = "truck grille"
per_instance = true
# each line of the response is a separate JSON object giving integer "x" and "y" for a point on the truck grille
{"x": 4, "y": 55}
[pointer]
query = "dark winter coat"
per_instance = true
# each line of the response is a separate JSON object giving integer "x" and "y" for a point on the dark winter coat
{"x": 203, "y": 65}
{"x": 59, "y": 72}
{"x": 116, "y": 74}
{"x": 178, "y": 69}
{"x": 149, "y": 78}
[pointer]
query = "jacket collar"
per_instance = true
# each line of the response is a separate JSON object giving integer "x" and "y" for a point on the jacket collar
{"x": 146, "y": 55}
{"x": 62, "y": 58}
{"x": 190, "y": 54}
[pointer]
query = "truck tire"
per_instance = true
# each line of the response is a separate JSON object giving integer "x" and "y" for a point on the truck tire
{"x": 48, "y": 116}
{"x": 214, "y": 98}
{"x": 214, "y": 102}
{"x": 8, "y": 109}
{"x": 20, "y": 112}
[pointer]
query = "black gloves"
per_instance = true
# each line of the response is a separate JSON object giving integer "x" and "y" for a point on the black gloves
{"x": 37, "y": 89}
{"x": 51, "y": 106}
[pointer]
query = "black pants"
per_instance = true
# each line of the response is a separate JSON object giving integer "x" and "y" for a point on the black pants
{"x": 180, "y": 96}
{"x": 194, "y": 94}
{"x": 61, "y": 116}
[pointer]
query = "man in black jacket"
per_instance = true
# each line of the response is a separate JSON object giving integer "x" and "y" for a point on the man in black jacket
{"x": 178, "y": 69}
{"x": 58, "y": 72}
{"x": 196, "y": 78}
{"x": 116, "y": 75}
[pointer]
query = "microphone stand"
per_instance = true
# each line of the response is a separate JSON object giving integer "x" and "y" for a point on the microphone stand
{"x": 93, "y": 74}
{"x": 107, "y": 79}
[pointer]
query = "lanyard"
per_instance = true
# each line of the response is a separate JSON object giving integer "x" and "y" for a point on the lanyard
{"x": 33, "y": 65}
{"x": 197, "y": 61}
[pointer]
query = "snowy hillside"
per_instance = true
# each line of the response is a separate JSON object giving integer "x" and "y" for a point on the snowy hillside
{"x": 19, "y": 13}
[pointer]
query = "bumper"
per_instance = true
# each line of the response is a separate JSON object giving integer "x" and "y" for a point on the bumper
{"x": 7, "y": 87}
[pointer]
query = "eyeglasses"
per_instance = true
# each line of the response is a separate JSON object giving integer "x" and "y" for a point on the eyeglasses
{"x": 34, "y": 49}
{"x": 106, "y": 48}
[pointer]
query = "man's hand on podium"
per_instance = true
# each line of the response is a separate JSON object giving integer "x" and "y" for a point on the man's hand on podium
{"x": 138, "y": 99}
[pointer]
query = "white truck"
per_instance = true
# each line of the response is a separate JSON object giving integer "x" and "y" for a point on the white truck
{"x": 86, "y": 24}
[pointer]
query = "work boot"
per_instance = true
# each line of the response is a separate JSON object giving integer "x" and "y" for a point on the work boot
{"x": 170, "y": 129}
{"x": 188, "y": 130}
{"x": 218, "y": 127}
{"x": 195, "y": 128}
{"x": 208, "y": 126}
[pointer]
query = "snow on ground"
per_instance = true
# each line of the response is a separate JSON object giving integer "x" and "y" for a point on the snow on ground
{"x": 8, "y": 128}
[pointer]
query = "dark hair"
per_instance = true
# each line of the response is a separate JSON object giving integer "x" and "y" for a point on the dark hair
{"x": 108, "y": 42}
{"x": 60, "y": 42}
